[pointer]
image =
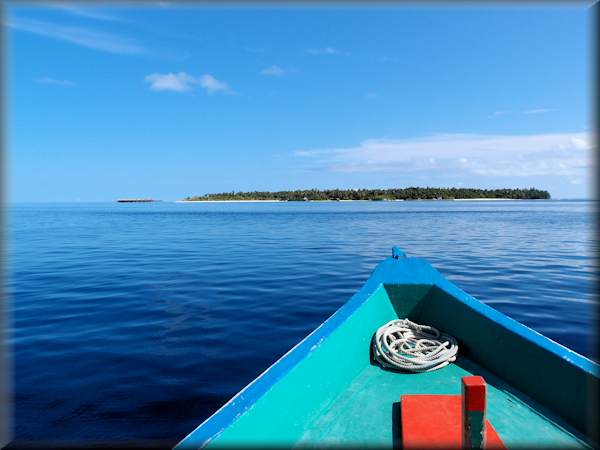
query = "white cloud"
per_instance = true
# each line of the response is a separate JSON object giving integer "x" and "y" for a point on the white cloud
{"x": 181, "y": 82}
{"x": 212, "y": 85}
{"x": 84, "y": 37}
{"x": 274, "y": 71}
{"x": 327, "y": 51}
{"x": 178, "y": 82}
{"x": 581, "y": 143}
{"x": 48, "y": 80}
{"x": 538, "y": 111}
{"x": 567, "y": 154}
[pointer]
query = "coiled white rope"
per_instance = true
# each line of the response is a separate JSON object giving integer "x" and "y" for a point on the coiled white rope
{"x": 405, "y": 345}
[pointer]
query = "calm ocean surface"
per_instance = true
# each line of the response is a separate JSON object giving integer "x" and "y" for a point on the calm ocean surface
{"x": 137, "y": 321}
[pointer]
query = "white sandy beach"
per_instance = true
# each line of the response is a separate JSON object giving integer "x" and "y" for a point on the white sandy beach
{"x": 483, "y": 199}
{"x": 229, "y": 201}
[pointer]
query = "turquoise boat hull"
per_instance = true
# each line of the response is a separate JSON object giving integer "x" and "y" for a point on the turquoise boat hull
{"x": 328, "y": 391}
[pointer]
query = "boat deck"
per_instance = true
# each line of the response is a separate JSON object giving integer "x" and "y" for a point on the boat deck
{"x": 368, "y": 411}
{"x": 328, "y": 391}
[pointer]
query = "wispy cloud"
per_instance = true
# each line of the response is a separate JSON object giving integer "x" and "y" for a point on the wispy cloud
{"x": 526, "y": 111}
{"x": 567, "y": 154}
{"x": 84, "y": 37}
{"x": 182, "y": 82}
{"x": 327, "y": 51}
{"x": 89, "y": 12}
{"x": 48, "y": 80}
{"x": 499, "y": 113}
{"x": 538, "y": 111}
{"x": 273, "y": 71}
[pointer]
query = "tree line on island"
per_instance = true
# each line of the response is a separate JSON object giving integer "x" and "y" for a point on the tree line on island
{"x": 410, "y": 193}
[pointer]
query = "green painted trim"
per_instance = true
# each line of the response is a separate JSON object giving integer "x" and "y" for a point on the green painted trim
{"x": 545, "y": 376}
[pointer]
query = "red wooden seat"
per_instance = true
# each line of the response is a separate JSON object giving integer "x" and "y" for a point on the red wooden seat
{"x": 436, "y": 421}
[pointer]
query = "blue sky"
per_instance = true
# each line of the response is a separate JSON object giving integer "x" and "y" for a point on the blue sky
{"x": 167, "y": 100}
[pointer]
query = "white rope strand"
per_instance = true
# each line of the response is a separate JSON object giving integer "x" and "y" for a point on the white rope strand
{"x": 405, "y": 345}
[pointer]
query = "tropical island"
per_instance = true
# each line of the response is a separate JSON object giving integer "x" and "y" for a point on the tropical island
{"x": 410, "y": 193}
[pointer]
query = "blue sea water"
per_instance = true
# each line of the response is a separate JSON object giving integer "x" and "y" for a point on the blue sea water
{"x": 134, "y": 322}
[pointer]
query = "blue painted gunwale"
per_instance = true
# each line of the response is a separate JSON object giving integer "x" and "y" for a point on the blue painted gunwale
{"x": 397, "y": 269}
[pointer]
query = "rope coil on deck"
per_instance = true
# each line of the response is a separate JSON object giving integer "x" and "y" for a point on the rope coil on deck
{"x": 405, "y": 345}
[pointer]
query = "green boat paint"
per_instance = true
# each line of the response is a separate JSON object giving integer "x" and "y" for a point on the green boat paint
{"x": 327, "y": 390}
